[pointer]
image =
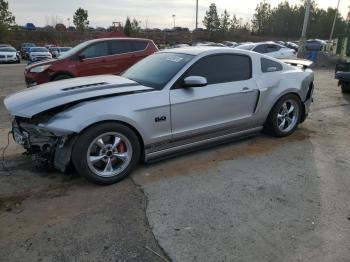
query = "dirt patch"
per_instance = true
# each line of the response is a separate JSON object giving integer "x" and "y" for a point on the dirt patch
{"x": 208, "y": 159}
{"x": 9, "y": 202}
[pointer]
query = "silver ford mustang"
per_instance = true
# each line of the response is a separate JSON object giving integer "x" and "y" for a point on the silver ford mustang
{"x": 167, "y": 103}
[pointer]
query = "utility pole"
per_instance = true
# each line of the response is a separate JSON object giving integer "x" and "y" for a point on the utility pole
{"x": 335, "y": 19}
{"x": 196, "y": 14}
{"x": 306, "y": 22}
{"x": 174, "y": 19}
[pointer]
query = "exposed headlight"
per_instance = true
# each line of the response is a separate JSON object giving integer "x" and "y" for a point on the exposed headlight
{"x": 39, "y": 69}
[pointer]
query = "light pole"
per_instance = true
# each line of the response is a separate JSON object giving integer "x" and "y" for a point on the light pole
{"x": 196, "y": 14}
{"x": 174, "y": 19}
{"x": 68, "y": 19}
{"x": 335, "y": 19}
{"x": 306, "y": 21}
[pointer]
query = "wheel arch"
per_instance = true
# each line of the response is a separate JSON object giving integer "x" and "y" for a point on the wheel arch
{"x": 134, "y": 129}
{"x": 302, "y": 117}
{"x": 61, "y": 73}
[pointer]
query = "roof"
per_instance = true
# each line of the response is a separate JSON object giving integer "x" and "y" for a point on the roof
{"x": 196, "y": 50}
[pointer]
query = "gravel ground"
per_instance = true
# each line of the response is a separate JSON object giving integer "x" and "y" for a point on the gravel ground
{"x": 260, "y": 199}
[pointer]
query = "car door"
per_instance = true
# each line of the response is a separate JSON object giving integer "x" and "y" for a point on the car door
{"x": 228, "y": 100}
{"x": 120, "y": 58}
{"x": 91, "y": 60}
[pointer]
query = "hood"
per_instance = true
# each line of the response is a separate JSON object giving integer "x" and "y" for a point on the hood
{"x": 39, "y": 53}
{"x": 8, "y": 53}
{"x": 47, "y": 96}
{"x": 45, "y": 62}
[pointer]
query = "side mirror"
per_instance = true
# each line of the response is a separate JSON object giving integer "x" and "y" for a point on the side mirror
{"x": 81, "y": 57}
{"x": 195, "y": 81}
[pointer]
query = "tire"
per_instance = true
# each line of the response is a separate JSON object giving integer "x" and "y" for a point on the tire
{"x": 274, "y": 123}
{"x": 61, "y": 77}
{"x": 100, "y": 162}
{"x": 345, "y": 88}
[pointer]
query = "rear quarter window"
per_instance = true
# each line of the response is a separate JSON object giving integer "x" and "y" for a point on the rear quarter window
{"x": 268, "y": 65}
{"x": 139, "y": 45}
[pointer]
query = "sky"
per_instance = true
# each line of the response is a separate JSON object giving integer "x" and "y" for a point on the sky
{"x": 151, "y": 13}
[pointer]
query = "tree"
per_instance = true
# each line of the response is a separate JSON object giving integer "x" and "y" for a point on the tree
{"x": 211, "y": 20}
{"x": 80, "y": 19}
{"x": 131, "y": 28}
{"x": 261, "y": 18}
{"x": 234, "y": 24}
{"x": 225, "y": 21}
{"x": 135, "y": 27}
{"x": 7, "y": 20}
{"x": 127, "y": 27}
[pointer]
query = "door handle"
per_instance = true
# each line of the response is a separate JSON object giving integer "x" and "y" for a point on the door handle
{"x": 246, "y": 90}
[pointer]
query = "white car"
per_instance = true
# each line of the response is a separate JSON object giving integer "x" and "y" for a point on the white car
{"x": 39, "y": 53}
{"x": 270, "y": 49}
{"x": 9, "y": 55}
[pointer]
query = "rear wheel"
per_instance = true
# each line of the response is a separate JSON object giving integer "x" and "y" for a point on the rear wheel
{"x": 284, "y": 117}
{"x": 61, "y": 77}
{"x": 345, "y": 88}
{"x": 106, "y": 153}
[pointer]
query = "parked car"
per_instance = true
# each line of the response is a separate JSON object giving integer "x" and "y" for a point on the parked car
{"x": 30, "y": 26}
{"x": 24, "y": 49}
{"x": 210, "y": 44}
{"x": 94, "y": 57}
{"x": 314, "y": 45}
{"x": 230, "y": 44}
{"x": 342, "y": 73}
{"x": 58, "y": 51}
{"x": 168, "y": 103}
{"x": 9, "y": 55}
{"x": 5, "y": 45}
{"x": 36, "y": 54}
{"x": 270, "y": 49}
{"x": 293, "y": 46}
{"x": 71, "y": 29}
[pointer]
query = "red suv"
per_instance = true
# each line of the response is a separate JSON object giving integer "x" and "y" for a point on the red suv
{"x": 94, "y": 57}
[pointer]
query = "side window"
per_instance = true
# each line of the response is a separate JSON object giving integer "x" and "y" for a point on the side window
{"x": 272, "y": 48}
{"x": 268, "y": 65}
{"x": 96, "y": 50}
{"x": 260, "y": 49}
{"x": 140, "y": 45}
{"x": 120, "y": 47}
{"x": 222, "y": 68}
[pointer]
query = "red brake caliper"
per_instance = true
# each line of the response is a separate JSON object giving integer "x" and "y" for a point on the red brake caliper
{"x": 121, "y": 148}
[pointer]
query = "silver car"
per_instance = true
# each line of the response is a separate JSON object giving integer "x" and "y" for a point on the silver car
{"x": 170, "y": 102}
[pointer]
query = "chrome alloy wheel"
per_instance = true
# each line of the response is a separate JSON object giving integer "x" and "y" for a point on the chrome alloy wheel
{"x": 288, "y": 116}
{"x": 109, "y": 154}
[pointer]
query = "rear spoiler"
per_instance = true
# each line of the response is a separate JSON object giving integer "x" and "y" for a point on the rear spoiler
{"x": 298, "y": 62}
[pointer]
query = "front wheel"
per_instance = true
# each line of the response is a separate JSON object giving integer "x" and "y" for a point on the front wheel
{"x": 106, "y": 153}
{"x": 284, "y": 117}
{"x": 345, "y": 88}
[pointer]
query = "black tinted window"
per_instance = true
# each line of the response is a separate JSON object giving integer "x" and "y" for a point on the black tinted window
{"x": 96, "y": 50}
{"x": 268, "y": 65}
{"x": 139, "y": 45}
{"x": 120, "y": 47}
{"x": 272, "y": 48}
{"x": 260, "y": 49}
{"x": 222, "y": 68}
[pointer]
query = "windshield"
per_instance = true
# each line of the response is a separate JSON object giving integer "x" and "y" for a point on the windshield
{"x": 157, "y": 70}
{"x": 7, "y": 49}
{"x": 38, "y": 49}
{"x": 74, "y": 50}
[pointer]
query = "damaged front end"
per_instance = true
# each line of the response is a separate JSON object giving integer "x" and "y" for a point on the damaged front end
{"x": 44, "y": 146}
